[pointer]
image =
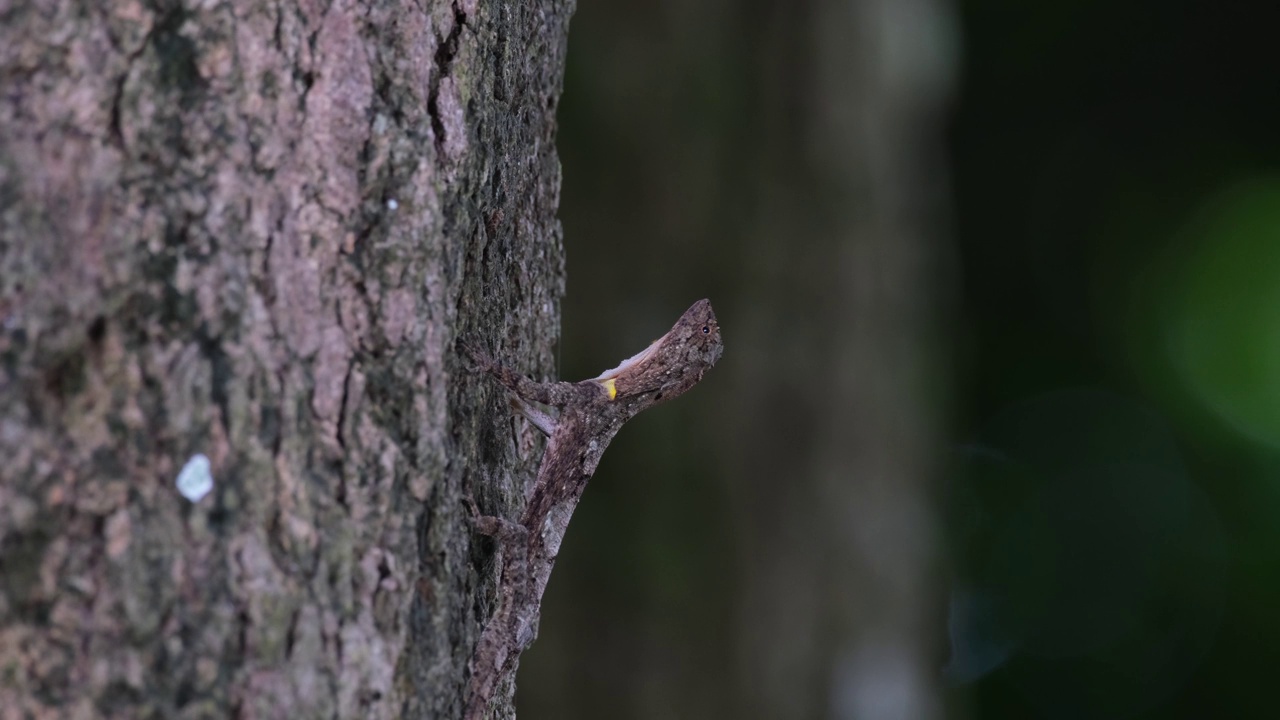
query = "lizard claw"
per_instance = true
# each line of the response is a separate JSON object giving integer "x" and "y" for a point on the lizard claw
{"x": 490, "y": 525}
{"x": 484, "y": 524}
{"x": 472, "y": 508}
{"x": 481, "y": 361}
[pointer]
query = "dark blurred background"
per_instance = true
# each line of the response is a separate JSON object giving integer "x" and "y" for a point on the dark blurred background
{"x": 995, "y": 430}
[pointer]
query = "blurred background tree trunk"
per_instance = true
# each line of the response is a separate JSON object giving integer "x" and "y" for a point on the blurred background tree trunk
{"x": 253, "y": 232}
{"x": 841, "y": 595}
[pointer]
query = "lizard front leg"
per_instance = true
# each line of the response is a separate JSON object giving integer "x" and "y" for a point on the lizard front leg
{"x": 552, "y": 393}
{"x": 536, "y": 417}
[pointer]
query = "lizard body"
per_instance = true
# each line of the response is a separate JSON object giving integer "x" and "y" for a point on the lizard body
{"x": 591, "y": 413}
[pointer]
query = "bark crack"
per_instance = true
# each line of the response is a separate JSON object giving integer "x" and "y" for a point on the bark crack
{"x": 446, "y": 52}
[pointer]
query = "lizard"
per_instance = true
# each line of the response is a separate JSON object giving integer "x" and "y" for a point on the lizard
{"x": 590, "y": 413}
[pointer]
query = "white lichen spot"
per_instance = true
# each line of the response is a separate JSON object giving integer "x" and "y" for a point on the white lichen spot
{"x": 392, "y": 204}
{"x": 195, "y": 481}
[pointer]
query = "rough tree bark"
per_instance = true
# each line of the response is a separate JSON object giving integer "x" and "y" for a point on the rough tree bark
{"x": 254, "y": 231}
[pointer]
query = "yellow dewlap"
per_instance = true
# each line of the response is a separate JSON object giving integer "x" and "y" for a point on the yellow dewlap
{"x": 609, "y": 387}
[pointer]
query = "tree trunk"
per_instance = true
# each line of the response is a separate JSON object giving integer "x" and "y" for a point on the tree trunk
{"x": 254, "y": 234}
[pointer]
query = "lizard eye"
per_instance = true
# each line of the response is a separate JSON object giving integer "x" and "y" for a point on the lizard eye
{"x": 706, "y": 330}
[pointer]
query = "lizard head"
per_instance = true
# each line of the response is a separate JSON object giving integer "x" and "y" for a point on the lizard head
{"x": 674, "y": 362}
{"x": 699, "y": 333}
